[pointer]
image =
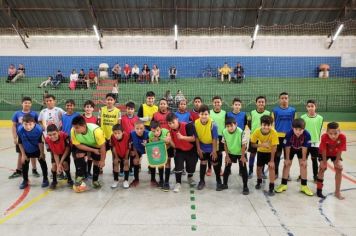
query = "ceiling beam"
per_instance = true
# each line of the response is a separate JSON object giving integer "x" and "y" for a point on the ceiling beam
{"x": 12, "y": 17}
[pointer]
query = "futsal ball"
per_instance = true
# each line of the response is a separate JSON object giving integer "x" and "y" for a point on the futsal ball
{"x": 80, "y": 188}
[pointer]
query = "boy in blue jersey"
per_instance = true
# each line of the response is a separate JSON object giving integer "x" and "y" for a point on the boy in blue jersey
{"x": 207, "y": 141}
{"x": 31, "y": 146}
{"x": 68, "y": 116}
{"x": 16, "y": 122}
{"x": 283, "y": 116}
{"x": 182, "y": 113}
{"x": 236, "y": 113}
{"x": 139, "y": 138}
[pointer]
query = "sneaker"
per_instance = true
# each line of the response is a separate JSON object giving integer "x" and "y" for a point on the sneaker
{"x": 258, "y": 186}
{"x": 16, "y": 174}
{"x": 245, "y": 191}
{"x": 45, "y": 183}
{"x": 35, "y": 173}
{"x": 271, "y": 193}
{"x": 184, "y": 172}
{"x": 201, "y": 185}
{"x": 53, "y": 185}
{"x": 224, "y": 186}
{"x": 306, "y": 190}
{"x": 208, "y": 172}
{"x": 191, "y": 181}
{"x": 115, "y": 184}
{"x": 219, "y": 187}
{"x": 250, "y": 175}
{"x": 134, "y": 183}
{"x": 176, "y": 188}
{"x": 61, "y": 176}
{"x": 96, "y": 184}
{"x": 281, "y": 188}
{"x": 160, "y": 184}
{"x": 125, "y": 184}
{"x": 23, "y": 185}
{"x": 154, "y": 183}
{"x": 70, "y": 183}
{"x": 78, "y": 181}
{"x": 121, "y": 174}
{"x": 166, "y": 187}
{"x": 320, "y": 194}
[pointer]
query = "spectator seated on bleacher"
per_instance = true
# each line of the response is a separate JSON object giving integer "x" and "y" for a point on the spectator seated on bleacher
{"x": 127, "y": 72}
{"x": 239, "y": 73}
{"x": 172, "y": 72}
{"x": 73, "y": 78}
{"x": 20, "y": 73}
{"x": 46, "y": 82}
{"x": 91, "y": 78}
{"x": 57, "y": 80}
{"x": 11, "y": 73}
{"x": 154, "y": 74}
{"x": 103, "y": 71}
{"x": 324, "y": 71}
{"x": 225, "y": 73}
{"x": 145, "y": 73}
{"x": 116, "y": 73}
{"x": 135, "y": 72}
{"x": 81, "y": 83}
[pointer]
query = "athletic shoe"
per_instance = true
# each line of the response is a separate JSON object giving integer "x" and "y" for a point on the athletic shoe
{"x": 271, "y": 193}
{"x": 125, "y": 184}
{"x": 23, "y": 185}
{"x": 166, "y": 187}
{"x": 258, "y": 186}
{"x": 16, "y": 174}
{"x": 219, "y": 187}
{"x": 224, "y": 186}
{"x": 160, "y": 184}
{"x": 134, "y": 183}
{"x": 201, "y": 185}
{"x": 208, "y": 173}
{"x": 281, "y": 188}
{"x": 191, "y": 181}
{"x": 53, "y": 185}
{"x": 45, "y": 183}
{"x": 96, "y": 184}
{"x": 245, "y": 191}
{"x": 35, "y": 173}
{"x": 176, "y": 188}
{"x": 121, "y": 174}
{"x": 154, "y": 183}
{"x": 78, "y": 181}
{"x": 306, "y": 190}
{"x": 115, "y": 184}
{"x": 320, "y": 194}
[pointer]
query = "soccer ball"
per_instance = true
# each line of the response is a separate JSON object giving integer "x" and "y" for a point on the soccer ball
{"x": 80, "y": 188}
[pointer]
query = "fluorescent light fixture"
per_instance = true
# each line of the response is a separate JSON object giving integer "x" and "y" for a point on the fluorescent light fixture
{"x": 255, "y": 33}
{"x": 96, "y": 32}
{"x": 338, "y": 32}
{"x": 175, "y": 32}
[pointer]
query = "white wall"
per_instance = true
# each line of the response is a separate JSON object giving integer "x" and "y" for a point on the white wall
{"x": 164, "y": 46}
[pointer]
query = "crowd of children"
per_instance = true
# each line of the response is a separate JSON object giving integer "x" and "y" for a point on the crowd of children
{"x": 208, "y": 136}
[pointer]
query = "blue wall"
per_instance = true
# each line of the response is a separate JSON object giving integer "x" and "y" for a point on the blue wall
{"x": 43, "y": 66}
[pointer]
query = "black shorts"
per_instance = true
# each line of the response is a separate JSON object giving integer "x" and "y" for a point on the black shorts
{"x": 251, "y": 149}
{"x": 33, "y": 154}
{"x": 320, "y": 158}
{"x": 314, "y": 152}
{"x": 170, "y": 152}
{"x": 107, "y": 145}
{"x": 93, "y": 156}
{"x": 67, "y": 159}
{"x": 207, "y": 157}
{"x": 189, "y": 157}
{"x": 280, "y": 146}
{"x": 294, "y": 152}
{"x": 235, "y": 158}
{"x": 263, "y": 158}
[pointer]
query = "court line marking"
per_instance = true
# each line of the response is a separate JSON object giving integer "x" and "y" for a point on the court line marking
{"x": 343, "y": 175}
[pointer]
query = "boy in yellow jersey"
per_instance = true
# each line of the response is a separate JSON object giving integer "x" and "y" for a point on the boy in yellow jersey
{"x": 225, "y": 72}
{"x": 265, "y": 139}
{"x": 109, "y": 116}
{"x": 146, "y": 110}
{"x": 207, "y": 141}
{"x": 87, "y": 138}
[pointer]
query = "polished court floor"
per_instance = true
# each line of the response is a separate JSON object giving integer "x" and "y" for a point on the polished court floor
{"x": 148, "y": 211}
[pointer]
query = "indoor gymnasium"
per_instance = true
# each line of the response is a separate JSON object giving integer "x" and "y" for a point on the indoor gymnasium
{"x": 177, "y": 117}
